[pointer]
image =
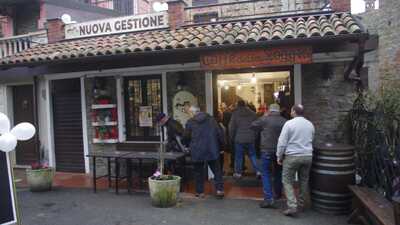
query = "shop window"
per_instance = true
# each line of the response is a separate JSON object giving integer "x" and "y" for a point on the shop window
{"x": 183, "y": 90}
{"x": 142, "y": 105}
{"x": 205, "y": 17}
{"x": 203, "y": 2}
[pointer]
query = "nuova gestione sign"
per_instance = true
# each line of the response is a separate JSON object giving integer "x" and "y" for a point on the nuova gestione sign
{"x": 117, "y": 25}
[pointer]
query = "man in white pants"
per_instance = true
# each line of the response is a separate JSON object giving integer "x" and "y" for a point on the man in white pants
{"x": 294, "y": 152}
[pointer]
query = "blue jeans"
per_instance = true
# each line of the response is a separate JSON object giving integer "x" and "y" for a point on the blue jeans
{"x": 267, "y": 161}
{"x": 239, "y": 152}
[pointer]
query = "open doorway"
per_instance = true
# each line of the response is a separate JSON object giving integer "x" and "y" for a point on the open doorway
{"x": 258, "y": 89}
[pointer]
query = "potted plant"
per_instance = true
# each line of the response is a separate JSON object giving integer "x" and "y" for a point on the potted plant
{"x": 40, "y": 176}
{"x": 164, "y": 189}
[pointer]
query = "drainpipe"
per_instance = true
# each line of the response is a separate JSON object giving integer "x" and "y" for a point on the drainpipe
{"x": 36, "y": 118}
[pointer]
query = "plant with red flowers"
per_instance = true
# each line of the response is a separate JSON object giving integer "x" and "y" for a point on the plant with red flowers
{"x": 39, "y": 166}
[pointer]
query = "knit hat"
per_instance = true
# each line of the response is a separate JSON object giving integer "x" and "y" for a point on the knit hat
{"x": 274, "y": 108}
{"x": 162, "y": 118}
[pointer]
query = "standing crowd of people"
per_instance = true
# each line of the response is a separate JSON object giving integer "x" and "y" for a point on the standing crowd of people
{"x": 285, "y": 149}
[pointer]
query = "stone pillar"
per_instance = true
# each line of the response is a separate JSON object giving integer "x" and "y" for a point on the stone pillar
{"x": 341, "y": 5}
{"x": 55, "y": 30}
{"x": 176, "y": 13}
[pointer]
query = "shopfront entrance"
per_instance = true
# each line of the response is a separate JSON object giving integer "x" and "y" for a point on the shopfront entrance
{"x": 258, "y": 88}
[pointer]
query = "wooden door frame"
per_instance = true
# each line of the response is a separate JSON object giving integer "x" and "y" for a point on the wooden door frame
{"x": 10, "y": 98}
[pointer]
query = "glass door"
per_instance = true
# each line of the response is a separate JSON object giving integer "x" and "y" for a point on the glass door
{"x": 143, "y": 102}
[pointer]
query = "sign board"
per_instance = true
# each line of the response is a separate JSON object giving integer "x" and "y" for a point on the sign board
{"x": 145, "y": 116}
{"x": 274, "y": 56}
{"x": 117, "y": 25}
{"x": 8, "y": 213}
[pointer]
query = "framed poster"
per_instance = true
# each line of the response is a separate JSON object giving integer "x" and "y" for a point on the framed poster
{"x": 145, "y": 116}
{"x": 8, "y": 213}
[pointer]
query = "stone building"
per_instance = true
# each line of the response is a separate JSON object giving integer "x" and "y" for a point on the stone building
{"x": 384, "y": 61}
{"x": 99, "y": 85}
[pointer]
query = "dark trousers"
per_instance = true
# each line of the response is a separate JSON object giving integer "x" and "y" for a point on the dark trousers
{"x": 200, "y": 174}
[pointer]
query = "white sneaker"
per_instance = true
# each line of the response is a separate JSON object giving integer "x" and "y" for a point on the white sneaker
{"x": 237, "y": 175}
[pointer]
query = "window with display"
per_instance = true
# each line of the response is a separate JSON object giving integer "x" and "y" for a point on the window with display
{"x": 143, "y": 104}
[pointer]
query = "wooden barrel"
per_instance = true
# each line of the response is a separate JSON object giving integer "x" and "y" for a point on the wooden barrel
{"x": 332, "y": 171}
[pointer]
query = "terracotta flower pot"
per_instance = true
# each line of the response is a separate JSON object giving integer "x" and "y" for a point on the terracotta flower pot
{"x": 40, "y": 179}
{"x": 164, "y": 193}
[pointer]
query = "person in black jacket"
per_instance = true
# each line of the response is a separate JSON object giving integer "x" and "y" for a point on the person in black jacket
{"x": 243, "y": 136}
{"x": 204, "y": 137}
{"x": 174, "y": 133}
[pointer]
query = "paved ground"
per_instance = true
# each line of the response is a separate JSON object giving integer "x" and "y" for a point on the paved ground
{"x": 81, "y": 206}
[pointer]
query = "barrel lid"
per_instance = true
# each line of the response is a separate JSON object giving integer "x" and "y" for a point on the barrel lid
{"x": 333, "y": 146}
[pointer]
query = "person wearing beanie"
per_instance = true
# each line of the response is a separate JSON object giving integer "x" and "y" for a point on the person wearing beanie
{"x": 270, "y": 124}
{"x": 174, "y": 132}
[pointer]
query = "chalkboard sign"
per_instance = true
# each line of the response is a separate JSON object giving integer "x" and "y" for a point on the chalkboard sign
{"x": 7, "y": 203}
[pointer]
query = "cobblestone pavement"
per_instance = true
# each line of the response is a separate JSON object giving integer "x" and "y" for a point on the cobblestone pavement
{"x": 81, "y": 206}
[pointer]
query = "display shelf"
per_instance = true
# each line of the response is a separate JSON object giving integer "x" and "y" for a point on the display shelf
{"x": 104, "y": 141}
{"x": 100, "y": 124}
{"x": 104, "y": 106}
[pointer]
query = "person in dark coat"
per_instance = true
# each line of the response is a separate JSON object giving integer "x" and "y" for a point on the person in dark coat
{"x": 243, "y": 136}
{"x": 174, "y": 132}
{"x": 271, "y": 126}
{"x": 205, "y": 137}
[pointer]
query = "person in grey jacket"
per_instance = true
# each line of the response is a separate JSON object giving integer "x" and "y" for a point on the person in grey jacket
{"x": 271, "y": 124}
{"x": 204, "y": 137}
{"x": 295, "y": 152}
{"x": 243, "y": 136}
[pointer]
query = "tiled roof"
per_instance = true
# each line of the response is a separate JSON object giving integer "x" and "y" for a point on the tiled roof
{"x": 301, "y": 27}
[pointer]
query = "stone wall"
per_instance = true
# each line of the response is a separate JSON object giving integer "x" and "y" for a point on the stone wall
{"x": 257, "y": 8}
{"x": 326, "y": 98}
{"x": 384, "y": 64}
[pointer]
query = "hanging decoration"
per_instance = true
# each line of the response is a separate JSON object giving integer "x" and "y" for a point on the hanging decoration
{"x": 8, "y": 138}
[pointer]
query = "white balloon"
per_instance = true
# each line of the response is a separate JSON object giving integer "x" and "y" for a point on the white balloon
{"x": 8, "y": 142}
{"x": 23, "y": 131}
{"x": 4, "y": 124}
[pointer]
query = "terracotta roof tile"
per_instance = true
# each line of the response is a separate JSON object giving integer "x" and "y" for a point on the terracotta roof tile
{"x": 193, "y": 37}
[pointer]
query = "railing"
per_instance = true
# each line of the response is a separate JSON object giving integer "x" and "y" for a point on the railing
{"x": 12, "y": 45}
{"x": 228, "y": 10}
{"x": 376, "y": 135}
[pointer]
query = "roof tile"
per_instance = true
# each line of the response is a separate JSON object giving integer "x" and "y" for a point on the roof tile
{"x": 193, "y": 37}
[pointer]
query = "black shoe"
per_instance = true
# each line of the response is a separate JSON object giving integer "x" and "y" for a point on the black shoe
{"x": 267, "y": 204}
{"x": 200, "y": 195}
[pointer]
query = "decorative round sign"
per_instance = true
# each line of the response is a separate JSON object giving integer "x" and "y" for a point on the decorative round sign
{"x": 181, "y": 104}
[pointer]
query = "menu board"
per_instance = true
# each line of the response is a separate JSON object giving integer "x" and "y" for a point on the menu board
{"x": 7, "y": 202}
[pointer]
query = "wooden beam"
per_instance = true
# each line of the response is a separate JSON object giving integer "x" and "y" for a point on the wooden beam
{"x": 333, "y": 56}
